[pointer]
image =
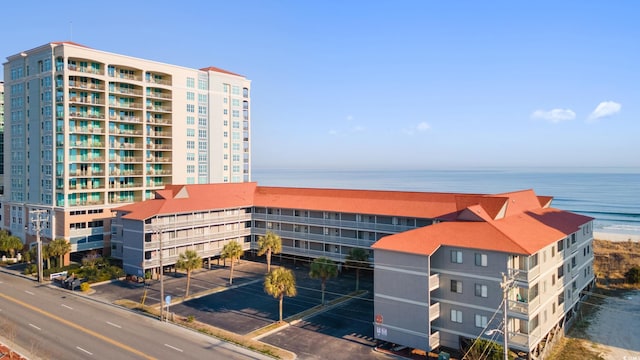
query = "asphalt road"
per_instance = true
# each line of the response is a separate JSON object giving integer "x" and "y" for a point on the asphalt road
{"x": 52, "y": 323}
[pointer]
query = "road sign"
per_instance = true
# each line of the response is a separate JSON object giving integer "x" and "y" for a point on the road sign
{"x": 167, "y": 300}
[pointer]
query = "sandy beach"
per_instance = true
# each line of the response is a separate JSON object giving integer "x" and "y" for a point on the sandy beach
{"x": 616, "y": 236}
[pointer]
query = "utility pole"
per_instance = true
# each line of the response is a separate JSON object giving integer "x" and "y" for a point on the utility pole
{"x": 505, "y": 285}
{"x": 35, "y": 216}
{"x": 157, "y": 230}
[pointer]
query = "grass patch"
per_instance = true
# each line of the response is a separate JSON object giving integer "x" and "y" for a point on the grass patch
{"x": 575, "y": 349}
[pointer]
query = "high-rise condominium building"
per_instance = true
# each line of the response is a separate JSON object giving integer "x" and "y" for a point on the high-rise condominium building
{"x": 1, "y": 138}
{"x": 88, "y": 130}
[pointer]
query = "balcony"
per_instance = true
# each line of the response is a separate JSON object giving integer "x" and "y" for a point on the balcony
{"x": 434, "y": 311}
{"x": 524, "y": 275}
{"x": 524, "y": 307}
{"x": 319, "y": 238}
{"x": 159, "y": 108}
{"x": 434, "y": 340}
{"x": 356, "y": 225}
{"x": 434, "y": 282}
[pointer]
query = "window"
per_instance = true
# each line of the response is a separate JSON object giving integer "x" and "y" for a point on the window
{"x": 481, "y": 259}
{"x": 561, "y": 299}
{"x": 191, "y": 82}
{"x": 191, "y": 169}
{"x": 560, "y": 245}
{"x": 481, "y": 321}
{"x": 456, "y": 286}
{"x": 573, "y": 262}
{"x": 191, "y": 157}
{"x": 553, "y": 308}
{"x": 456, "y": 256}
{"x": 533, "y": 324}
{"x": 533, "y": 261}
{"x": 553, "y": 280}
{"x": 191, "y": 108}
{"x": 191, "y": 144}
{"x": 481, "y": 290}
{"x": 573, "y": 238}
{"x": 191, "y": 95}
{"x": 553, "y": 251}
{"x": 202, "y": 84}
{"x": 191, "y": 133}
{"x": 456, "y": 316}
{"x": 191, "y": 120}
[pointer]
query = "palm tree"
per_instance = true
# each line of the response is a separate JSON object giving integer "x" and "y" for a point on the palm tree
{"x": 59, "y": 247}
{"x": 10, "y": 243}
{"x": 280, "y": 282}
{"x": 46, "y": 254}
{"x": 358, "y": 258}
{"x": 323, "y": 268}
{"x": 189, "y": 261}
{"x": 269, "y": 244}
{"x": 232, "y": 251}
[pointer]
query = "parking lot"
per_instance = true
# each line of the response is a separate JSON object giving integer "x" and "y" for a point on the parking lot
{"x": 345, "y": 330}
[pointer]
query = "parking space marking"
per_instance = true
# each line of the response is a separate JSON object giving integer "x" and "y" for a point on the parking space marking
{"x": 83, "y": 350}
{"x": 67, "y": 306}
{"x": 173, "y": 347}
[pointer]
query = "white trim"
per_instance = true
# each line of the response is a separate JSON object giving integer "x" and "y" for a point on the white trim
{"x": 402, "y": 330}
{"x": 407, "y": 301}
{"x": 466, "y": 305}
{"x": 465, "y": 274}
{"x": 389, "y": 268}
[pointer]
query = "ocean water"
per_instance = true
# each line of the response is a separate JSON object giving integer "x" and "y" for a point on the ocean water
{"x": 610, "y": 195}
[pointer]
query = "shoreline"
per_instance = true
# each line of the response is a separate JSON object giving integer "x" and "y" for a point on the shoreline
{"x": 617, "y": 237}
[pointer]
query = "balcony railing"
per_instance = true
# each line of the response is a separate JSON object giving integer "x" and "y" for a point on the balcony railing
{"x": 434, "y": 340}
{"x": 327, "y": 239}
{"x": 524, "y": 307}
{"x": 524, "y": 275}
{"x": 360, "y": 225}
{"x": 434, "y": 311}
{"x": 434, "y": 282}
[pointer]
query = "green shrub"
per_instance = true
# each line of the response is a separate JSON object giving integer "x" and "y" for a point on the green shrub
{"x": 30, "y": 269}
{"x": 633, "y": 275}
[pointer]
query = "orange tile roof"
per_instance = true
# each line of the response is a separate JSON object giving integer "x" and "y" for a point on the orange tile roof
{"x": 217, "y": 69}
{"x": 389, "y": 203}
{"x": 524, "y": 232}
{"x": 517, "y": 222}
{"x": 176, "y": 199}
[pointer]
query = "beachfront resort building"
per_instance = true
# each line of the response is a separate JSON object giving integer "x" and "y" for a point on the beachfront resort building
{"x": 88, "y": 130}
{"x": 438, "y": 258}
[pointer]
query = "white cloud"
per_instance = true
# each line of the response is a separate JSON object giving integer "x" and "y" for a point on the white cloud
{"x": 605, "y": 109}
{"x": 554, "y": 115}
{"x": 421, "y": 127}
{"x": 424, "y": 126}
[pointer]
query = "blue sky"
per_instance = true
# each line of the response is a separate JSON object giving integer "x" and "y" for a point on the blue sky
{"x": 396, "y": 84}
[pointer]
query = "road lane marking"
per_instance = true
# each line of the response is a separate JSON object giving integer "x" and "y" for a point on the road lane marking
{"x": 114, "y": 325}
{"x": 81, "y": 349}
{"x": 173, "y": 347}
{"x": 67, "y": 306}
{"x": 35, "y": 327}
{"x": 78, "y": 327}
{"x": 29, "y": 292}
{"x": 199, "y": 286}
